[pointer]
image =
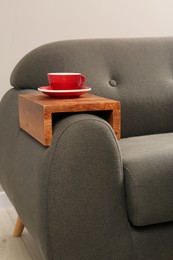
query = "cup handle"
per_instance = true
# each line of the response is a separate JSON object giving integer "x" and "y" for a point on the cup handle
{"x": 82, "y": 81}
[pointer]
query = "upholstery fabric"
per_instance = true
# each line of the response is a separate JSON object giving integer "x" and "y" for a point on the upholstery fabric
{"x": 138, "y": 72}
{"x": 154, "y": 242}
{"x": 148, "y": 164}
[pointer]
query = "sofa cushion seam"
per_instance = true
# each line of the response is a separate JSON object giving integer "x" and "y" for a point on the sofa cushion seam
{"x": 134, "y": 183}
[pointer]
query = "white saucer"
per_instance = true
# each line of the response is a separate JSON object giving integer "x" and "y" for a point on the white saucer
{"x": 64, "y": 93}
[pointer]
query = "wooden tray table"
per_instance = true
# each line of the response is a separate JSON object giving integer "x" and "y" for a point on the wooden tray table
{"x": 35, "y": 112}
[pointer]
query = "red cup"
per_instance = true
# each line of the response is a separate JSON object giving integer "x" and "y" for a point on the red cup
{"x": 66, "y": 81}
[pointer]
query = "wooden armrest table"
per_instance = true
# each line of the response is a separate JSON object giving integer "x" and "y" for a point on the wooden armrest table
{"x": 35, "y": 112}
{"x": 35, "y": 117}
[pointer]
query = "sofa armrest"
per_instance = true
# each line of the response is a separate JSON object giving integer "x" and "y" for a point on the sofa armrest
{"x": 70, "y": 196}
{"x": 86, "y": 191}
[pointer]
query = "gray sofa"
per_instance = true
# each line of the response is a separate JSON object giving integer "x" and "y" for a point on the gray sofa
{"x": 89, "y": 196}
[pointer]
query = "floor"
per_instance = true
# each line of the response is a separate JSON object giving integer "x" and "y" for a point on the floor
{"x": 23, "y": 248}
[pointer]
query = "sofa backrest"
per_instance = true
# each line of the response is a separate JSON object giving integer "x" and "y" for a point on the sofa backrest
{"x": 138, "y": 72}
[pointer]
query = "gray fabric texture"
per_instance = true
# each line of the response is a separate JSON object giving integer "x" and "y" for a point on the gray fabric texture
{"x": 141, "y": 68}
{"x": 154, "y": 242}
{"x": 69, "y": 195}
{"x": 148, "y": 167}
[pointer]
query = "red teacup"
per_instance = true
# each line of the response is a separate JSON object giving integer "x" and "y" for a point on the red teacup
{"x": 66, "y": 81}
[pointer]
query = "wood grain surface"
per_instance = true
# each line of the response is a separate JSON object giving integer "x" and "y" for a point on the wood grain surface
{"x": 35, "y": 112}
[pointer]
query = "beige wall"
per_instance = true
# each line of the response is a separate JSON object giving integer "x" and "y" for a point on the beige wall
{"x": 25, "y": 24}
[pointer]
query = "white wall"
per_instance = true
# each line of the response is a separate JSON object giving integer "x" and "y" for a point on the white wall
{"x": 26, "y": 24}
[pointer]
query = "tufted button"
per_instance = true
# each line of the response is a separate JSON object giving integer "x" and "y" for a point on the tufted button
{"x": 112, "y": 82}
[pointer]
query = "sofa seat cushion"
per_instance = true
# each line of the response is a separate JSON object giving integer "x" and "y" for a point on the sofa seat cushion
{"x": 148, "y": 173}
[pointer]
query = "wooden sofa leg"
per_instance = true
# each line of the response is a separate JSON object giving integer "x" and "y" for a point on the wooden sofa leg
{"x": 18, "y": 228}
